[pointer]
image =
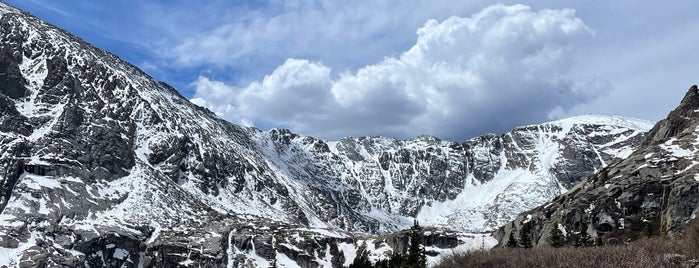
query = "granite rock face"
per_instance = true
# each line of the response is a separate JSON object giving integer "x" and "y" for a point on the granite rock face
{"x": 654, "y": 191}
{"x": 101, "y": 165}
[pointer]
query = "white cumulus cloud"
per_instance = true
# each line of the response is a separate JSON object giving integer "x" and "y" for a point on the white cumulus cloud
{"x": 501, "y": 67}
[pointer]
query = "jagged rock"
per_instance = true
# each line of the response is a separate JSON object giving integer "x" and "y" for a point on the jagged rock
{"x": 652, "y": 192}
{"x": 677, "y": 121}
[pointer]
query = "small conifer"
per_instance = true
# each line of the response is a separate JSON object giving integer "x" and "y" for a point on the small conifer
{"x": 556, "y": 236}
{"x": 525, "y": 235}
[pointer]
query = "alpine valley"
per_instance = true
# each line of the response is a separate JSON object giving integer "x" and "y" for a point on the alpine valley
{"x": 101, "y": 165}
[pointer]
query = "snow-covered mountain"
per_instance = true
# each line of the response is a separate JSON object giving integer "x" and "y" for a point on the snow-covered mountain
{"x": 653, "y": 191}
{"x": 476, "y": 185}
{"x": 102, "y": 165}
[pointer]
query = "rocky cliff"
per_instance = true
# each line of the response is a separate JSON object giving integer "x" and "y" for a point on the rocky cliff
{"x": 652, "y": 192}
{"x": 102, "y": 165}
{"x": 476, "y": 185}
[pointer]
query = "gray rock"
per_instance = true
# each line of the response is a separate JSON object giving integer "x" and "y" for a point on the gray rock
{"x": 654, "y": 191}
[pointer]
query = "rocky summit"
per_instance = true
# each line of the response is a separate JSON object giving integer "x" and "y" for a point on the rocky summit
{"x": 654, "y": 191}
{"x": 101, "y": 165}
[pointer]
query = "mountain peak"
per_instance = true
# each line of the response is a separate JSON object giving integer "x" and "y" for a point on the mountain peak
{"x": 691, "y": 99}
{"x": 606, "y": 119}
{"x": 681, "y": 119}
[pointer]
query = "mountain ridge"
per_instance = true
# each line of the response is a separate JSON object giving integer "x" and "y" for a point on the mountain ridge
{"x": 103, "y": 165}
{"x": 590, "y": 119}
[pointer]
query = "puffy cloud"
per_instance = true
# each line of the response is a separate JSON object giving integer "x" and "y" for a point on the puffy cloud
{"x": 343, "y": 33}
{"x": 500, "y": 67}
{"x": 296, "y": 90}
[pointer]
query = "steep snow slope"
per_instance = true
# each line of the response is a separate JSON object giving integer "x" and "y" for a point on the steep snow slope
{"x": 102, "y": 165}
{"x": 476, "y": 185}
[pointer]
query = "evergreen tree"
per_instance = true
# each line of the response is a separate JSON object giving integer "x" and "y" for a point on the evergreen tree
{"x": 525, "y": 235}
{"x": 512, "y": 241}
{"x": 422, "y": 260}
{"x": 395, "y": 261}
{"x": 385, "y": 263}
{"x": 556, "y": 236}
{"x": 416, "y": 253}
{"x": 584, "y": 239}
{"x": 647, "y": 229}
{"x": 361, "y": 261}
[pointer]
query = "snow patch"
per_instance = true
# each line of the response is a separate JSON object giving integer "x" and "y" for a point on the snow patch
{"x": 467, "y": 243}
{"x": 36, "y": 182}
{"x": 120, "y": 253}
{"x": 284, "y": 261}
{"x": 563, "y": 230}
{"x": 349, "y": 251}
{"x": 325, "y": 232}
{"x": 676, "y": 150}
{"x": 11, "y": 256}
{"x": 467, "y": 210}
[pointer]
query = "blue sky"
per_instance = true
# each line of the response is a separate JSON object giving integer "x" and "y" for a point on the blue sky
{"x": 453, "y": 69}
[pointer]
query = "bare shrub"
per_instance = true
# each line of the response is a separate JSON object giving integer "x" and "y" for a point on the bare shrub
{"x": 681, "y": 251}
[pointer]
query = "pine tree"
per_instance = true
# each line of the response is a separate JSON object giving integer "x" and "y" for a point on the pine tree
{"x": 512, "y": 241}
{"x": 422, "y": 260}
{"x": 525, "y": 235}
{"x": 556, "y": 236}
{"x": 647, "y": 229}
{"x": 416, "y": 253}
{"x": 584, "y": 239}
{"x": 361, "y": 261}
{"x": 396, "y": 261}
{"x": 385, "y": 263}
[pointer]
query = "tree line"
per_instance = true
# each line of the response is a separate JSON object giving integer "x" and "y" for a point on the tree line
{"x": 556, "y": 238}
{"x": 414, "y": 258}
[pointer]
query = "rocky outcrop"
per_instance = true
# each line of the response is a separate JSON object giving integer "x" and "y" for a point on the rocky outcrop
{"x": 652, "y": 192}
{"x": 679, "y": 120}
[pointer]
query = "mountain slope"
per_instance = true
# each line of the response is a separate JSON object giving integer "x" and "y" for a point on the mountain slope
{"x": 476, "y": 185}
{"x": 102, "y": 165}
{"x": 652, "y": 192}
